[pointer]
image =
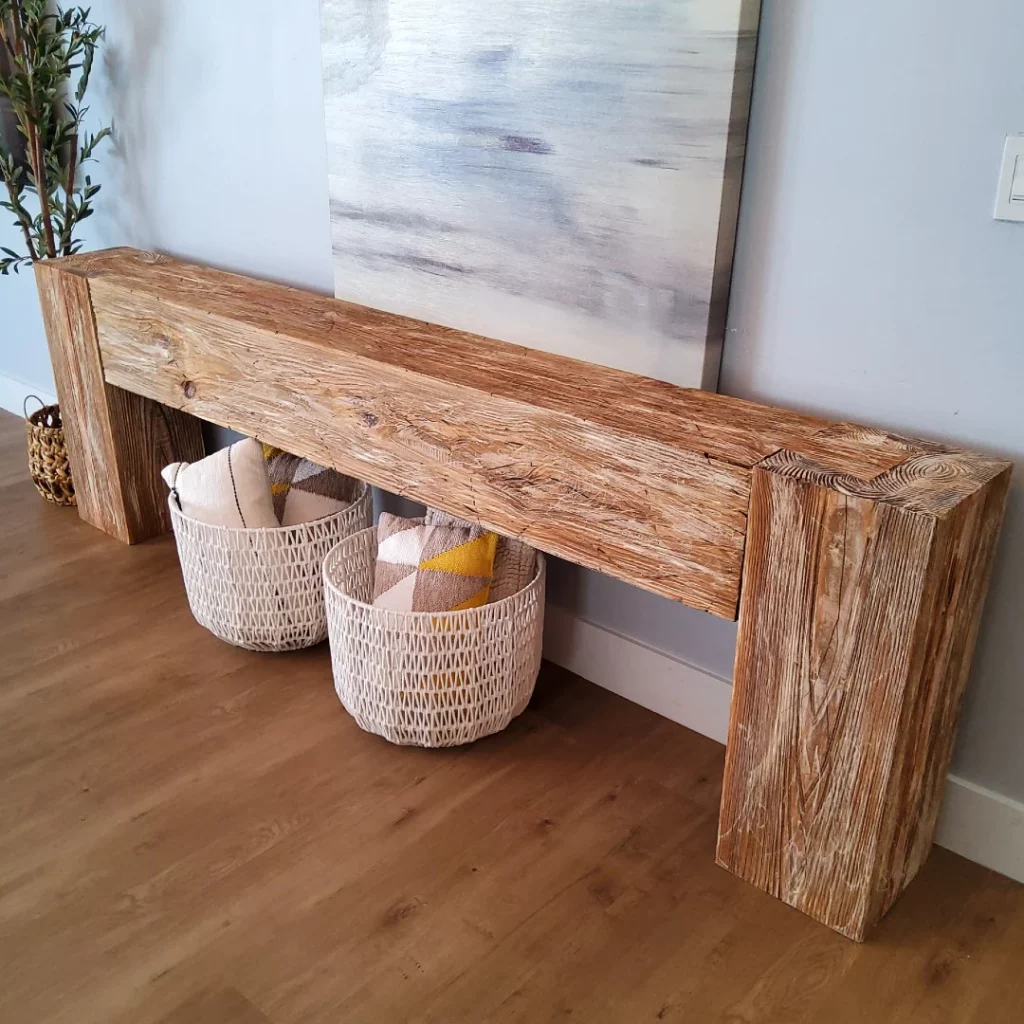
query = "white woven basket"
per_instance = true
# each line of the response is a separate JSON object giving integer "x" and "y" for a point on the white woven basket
{"x": 429, "y": 679}
{"x": 262, "y": 589}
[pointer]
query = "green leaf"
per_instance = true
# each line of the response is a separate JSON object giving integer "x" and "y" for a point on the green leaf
{"x": 58, "y": 55}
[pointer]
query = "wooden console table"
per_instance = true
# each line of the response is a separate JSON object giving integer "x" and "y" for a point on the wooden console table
{"x": 856, "y": 561}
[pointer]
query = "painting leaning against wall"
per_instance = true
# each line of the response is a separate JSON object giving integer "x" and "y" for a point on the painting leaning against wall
{"x": 562, "y": 174}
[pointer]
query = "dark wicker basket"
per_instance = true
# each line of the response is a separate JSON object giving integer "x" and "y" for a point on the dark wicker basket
{"x": 48, "y": 455}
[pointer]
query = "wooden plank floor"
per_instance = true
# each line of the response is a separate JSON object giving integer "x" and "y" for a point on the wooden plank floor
{"x": 193, "y": 834}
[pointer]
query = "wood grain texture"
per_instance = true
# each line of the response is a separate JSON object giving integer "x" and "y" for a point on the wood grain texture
{"x": 864, "y": 555}
{"x": 719, "y": 426}
{"x": 660, "y": 517}
{"x": 117, "y": 440}
{"x": 858, "y": 616}
{"x": 861, "y": 452}
{"x": 932, "y": 480}
{"x": 623, "y": 474}
{"x": 192, "y": 835}
{"x": 549, "y": 172}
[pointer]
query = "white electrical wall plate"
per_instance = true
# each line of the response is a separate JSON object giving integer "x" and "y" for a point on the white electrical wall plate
{"x": 1010, "y": 197}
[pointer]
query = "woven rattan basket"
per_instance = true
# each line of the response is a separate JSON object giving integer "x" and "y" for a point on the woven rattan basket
{"x": 48, "y": 455}
{"x": 263, "y": 589}
{"x": 429, "y": 679}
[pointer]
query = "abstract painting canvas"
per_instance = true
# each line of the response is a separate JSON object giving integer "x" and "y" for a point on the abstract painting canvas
{"x": 562, "y": 174}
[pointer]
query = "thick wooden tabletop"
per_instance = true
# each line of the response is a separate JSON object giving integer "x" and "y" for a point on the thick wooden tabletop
{"x": 864, "y": 557}
{"x": 631, "y": 476}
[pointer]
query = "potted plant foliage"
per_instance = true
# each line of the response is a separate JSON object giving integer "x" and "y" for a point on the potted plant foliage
{"x": 47, "y": 60}
{"x": 46, "y": 57}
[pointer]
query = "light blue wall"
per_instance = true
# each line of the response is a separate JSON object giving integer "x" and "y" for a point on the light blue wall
{"x": 871, "y": 281}
{"x": 23, "y": 354}
{"x": 221, "y": 153}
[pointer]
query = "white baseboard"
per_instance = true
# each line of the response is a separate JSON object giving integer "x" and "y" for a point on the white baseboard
{"x": 975, "y": 822}
{"x": 982, "y": 826}
{"x": 639, "y": 673}
{"x": 13, "y": 393}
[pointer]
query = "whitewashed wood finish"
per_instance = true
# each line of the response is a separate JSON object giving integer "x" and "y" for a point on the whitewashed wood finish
{"x": 449, "y": 438}
{"x": 859, "y": 612}
{"x": 865, "y": 556}
{"x": 562, "y": 174}
{"x": 117, "y": 441}
{"x": 528, "y": 443}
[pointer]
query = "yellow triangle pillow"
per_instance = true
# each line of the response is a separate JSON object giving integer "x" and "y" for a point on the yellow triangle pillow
{"x": 425, "y": 567}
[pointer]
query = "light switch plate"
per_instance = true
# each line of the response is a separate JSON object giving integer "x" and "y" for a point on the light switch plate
{"x": 1010, "y": 196}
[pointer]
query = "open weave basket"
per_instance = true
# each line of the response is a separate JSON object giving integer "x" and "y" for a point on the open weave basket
{"x": 262, "y": 589}
{"x": 48, "y": 455}
{"x": 429, "y": 679}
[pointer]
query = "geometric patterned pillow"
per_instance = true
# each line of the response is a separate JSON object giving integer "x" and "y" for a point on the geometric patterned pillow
{"x": 514, "y": 560}
{"x": 302, "y": 490}
{"x": 428, "y": 568}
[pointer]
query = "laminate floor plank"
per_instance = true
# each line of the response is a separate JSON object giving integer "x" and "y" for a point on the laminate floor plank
{"x": 195, "y": 834}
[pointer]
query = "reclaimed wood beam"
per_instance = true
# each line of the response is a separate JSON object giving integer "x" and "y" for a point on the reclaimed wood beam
{"x": 862, "y": 594}
{"x": 630, "y": 476}
{"x": 118, "y": 441}
{"x": 864, "y": 557}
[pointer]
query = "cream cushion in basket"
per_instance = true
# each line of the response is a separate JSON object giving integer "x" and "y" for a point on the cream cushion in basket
{"x": 514, "y": 560}
{"x": 425, "y": 567}
{"x": 228, "y": 488}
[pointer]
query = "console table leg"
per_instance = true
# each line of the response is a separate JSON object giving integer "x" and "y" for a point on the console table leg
{"x": 117, "y": 441}
{"x": 858, "y": 615}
